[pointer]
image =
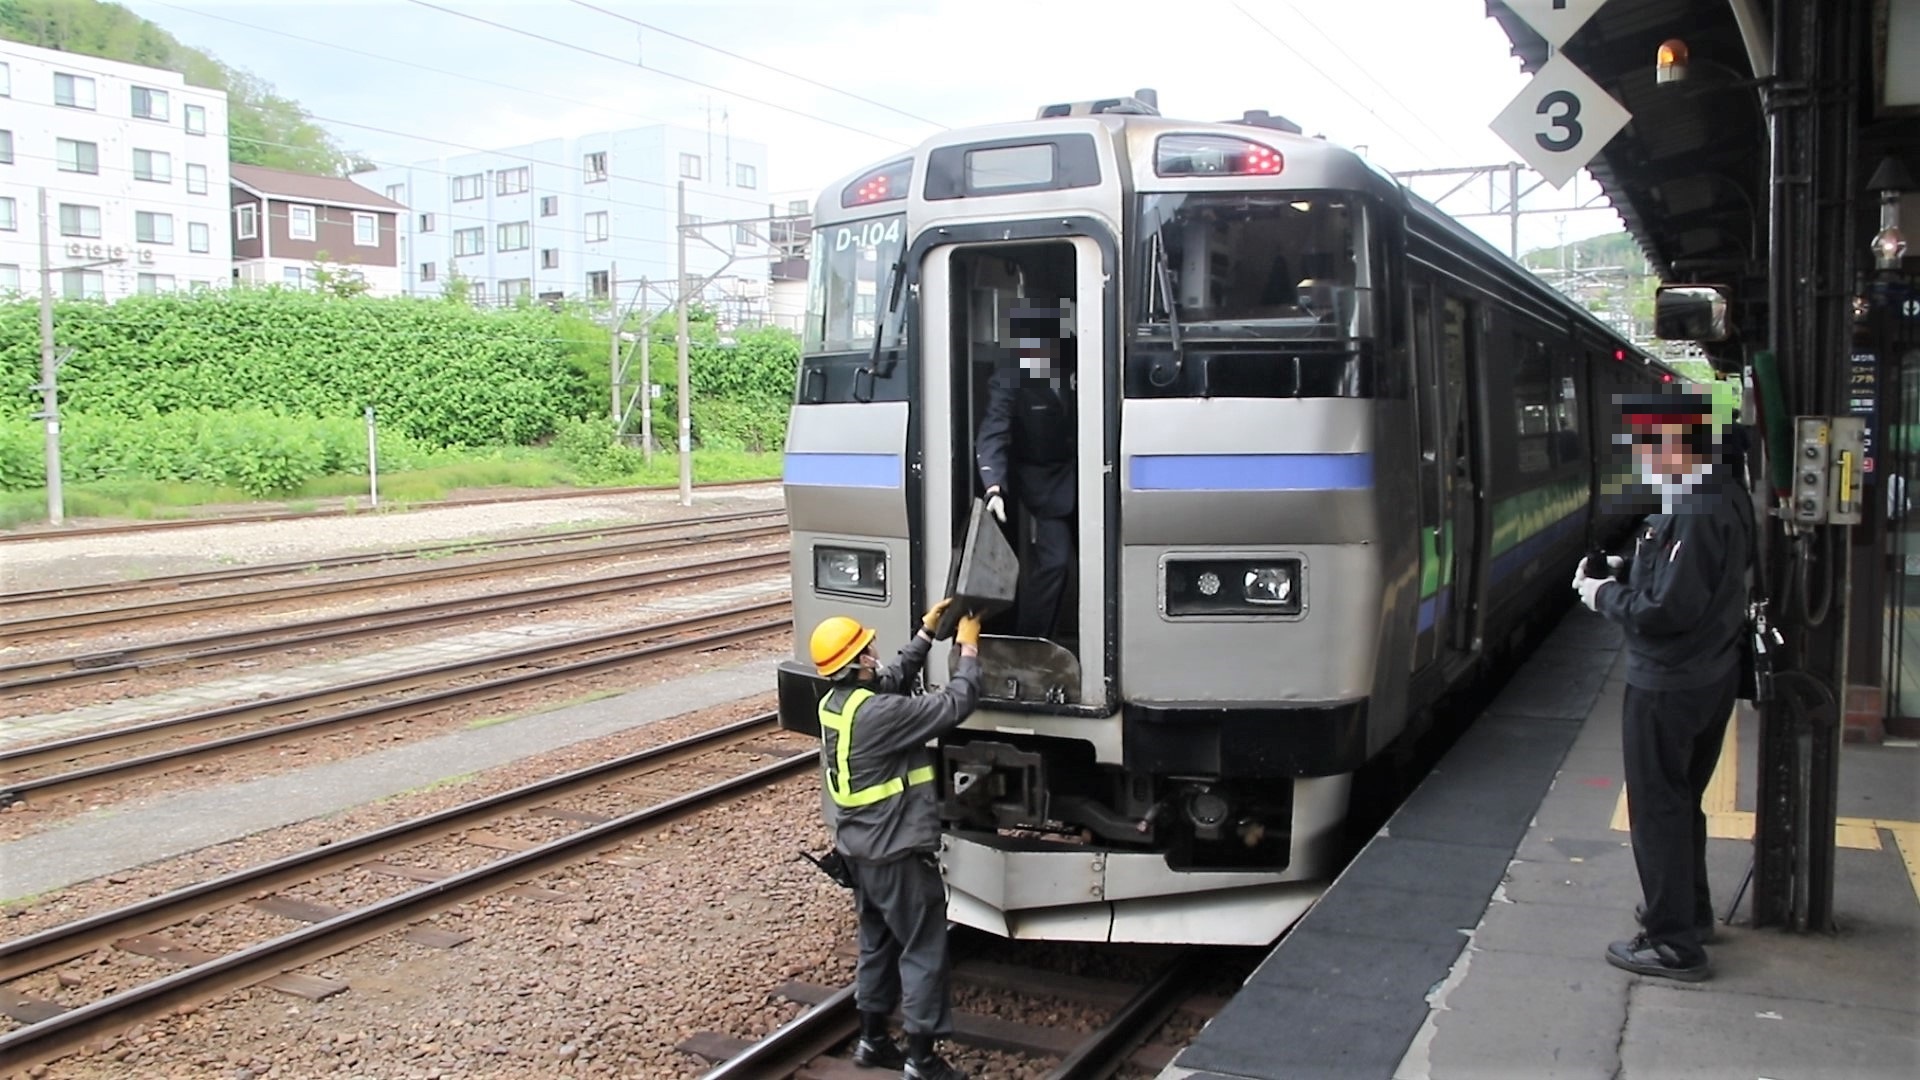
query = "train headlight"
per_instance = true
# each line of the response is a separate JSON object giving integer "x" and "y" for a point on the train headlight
{"x": 860, "y": 572}
{"x": 1232, "y": 587}
{"x": 1267, "y": 585}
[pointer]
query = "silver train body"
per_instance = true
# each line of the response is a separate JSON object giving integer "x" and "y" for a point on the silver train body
{"x": 1333, "y": 452}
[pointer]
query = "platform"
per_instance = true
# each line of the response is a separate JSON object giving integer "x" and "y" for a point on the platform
{"x": 1468, "y": 938}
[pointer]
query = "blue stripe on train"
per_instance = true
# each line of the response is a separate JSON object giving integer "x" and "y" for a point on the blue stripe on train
{"x": 1250, "y": 472}
{"x": 842, "y": 470}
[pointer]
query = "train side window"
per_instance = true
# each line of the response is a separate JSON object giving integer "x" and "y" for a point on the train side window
{"x": 1568, "y": 447}
{"x": 1426, "y": 365}
{"x": 1533, "y": 395}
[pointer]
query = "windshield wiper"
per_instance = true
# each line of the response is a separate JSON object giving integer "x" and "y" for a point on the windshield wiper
{"x": 1165, "y": 277}
{"x": 896, "y": 277}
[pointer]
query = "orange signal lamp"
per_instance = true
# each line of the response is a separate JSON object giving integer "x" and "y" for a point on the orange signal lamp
{"x": 1671, "y": 61}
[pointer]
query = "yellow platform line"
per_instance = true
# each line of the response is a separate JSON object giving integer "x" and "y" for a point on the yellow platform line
{"x": 1726, "y": 823}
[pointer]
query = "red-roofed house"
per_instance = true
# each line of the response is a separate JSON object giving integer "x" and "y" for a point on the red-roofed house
{"x": 284, "y": 223}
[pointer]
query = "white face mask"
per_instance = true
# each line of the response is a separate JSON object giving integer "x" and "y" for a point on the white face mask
{"x": 1670, "y": 487}
{"x": 1039, "y": 367}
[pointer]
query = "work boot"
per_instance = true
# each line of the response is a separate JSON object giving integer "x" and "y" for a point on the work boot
{"x": 876, "y": 1048}
{"x": 924, "y": 1064}
{"x": 1704, "y": 931}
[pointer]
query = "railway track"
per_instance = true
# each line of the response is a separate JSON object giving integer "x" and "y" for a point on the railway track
{"x": 68, "y": 532}
{"x": 304, "y": 566}
{"x": 23, "y": 629}
{"x": 607, "y": 650}
{"x": 808, "y": 1047}
{"x": 62, "y": 672}
{"x": 55, "y": 1030}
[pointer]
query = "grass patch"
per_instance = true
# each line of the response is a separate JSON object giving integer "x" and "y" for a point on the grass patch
{"x": 435, "y": 785}
{"x": 508, "y": 718}
{"x": 499, "y": 470}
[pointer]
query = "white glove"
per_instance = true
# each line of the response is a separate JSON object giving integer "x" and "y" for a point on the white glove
{"x": 996, "y": 505}
{"x": 1615, "y": 562}
{"x": 1590, "y": 590}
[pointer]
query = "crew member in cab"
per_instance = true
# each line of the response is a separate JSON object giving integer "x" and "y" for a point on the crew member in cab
{"x": 1025, "y": 450}
{"x": 1683, "y": 608}
{"x": 884, "y": 809}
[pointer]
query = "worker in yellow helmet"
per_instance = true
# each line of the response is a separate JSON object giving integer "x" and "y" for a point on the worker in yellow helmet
{"x": 885, "y": 811}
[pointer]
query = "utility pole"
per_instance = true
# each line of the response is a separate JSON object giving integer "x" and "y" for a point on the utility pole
{"x": 613, "y": 350}
{"x": 646, "y": 374}
{"x": 49, "y": 388}
{"x": 686, "y": 408}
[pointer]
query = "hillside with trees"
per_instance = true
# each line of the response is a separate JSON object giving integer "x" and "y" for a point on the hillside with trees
{"x": 263, "y": 127}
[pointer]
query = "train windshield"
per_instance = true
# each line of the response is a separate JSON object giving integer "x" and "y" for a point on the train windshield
{"x": 852, "y": 264}
{"x": 1270, "y": 265}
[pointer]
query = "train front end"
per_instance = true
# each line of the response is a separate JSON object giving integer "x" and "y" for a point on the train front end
{"x": 1169, "y": 758}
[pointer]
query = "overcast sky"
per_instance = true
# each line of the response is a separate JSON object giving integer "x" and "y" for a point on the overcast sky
{"x": 1415, "y": 82}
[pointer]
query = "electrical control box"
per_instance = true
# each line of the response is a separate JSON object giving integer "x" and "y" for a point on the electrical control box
{"x": 1828, "y": 481}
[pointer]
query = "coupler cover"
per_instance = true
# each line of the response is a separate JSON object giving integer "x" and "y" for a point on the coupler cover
{"x": 993, "y": 785}
{"x": 987, "y": 575}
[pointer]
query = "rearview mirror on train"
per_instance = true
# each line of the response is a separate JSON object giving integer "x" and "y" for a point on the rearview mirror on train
{"x": 1690, "y": 313}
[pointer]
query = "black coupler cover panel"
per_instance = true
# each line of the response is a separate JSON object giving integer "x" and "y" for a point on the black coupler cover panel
{"x": 986, "y": 575}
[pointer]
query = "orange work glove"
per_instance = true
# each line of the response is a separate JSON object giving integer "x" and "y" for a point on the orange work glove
{"x": 968, "y": 632}
{"x": 931, "y": 621}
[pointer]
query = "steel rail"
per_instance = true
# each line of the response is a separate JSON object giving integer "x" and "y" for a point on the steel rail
{"x": 34, "y": 952}
{"x": 788, "y": 1049}
{"x": 18, "y": 629}
{"x": 64, "y": 1033}
{"x": 63, "y": 533}
{"x": 67, "y": 749}
{"x": 168, "y": 760}
{"x": 458, "y": 547}
{"x": 1105, "y": 1052}
{"x": 78, "y": 670}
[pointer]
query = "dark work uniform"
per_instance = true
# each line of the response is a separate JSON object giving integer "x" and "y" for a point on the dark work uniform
{"x": 1026, "y": 448}
{"x": 883, "y": 805}
{"x": 1683, "y": 608}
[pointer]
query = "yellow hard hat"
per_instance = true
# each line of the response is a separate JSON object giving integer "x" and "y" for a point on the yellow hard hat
{"x": 836, "y": 642}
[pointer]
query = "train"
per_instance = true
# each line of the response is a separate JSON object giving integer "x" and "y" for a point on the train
{"x": 1332, "y": 453}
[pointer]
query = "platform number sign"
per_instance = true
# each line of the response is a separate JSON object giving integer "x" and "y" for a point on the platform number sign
{"x": 1555, "y": 20}
{"x": 1560, "y": 121}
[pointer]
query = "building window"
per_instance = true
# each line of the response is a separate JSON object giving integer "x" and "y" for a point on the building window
{"x": 743, "y": 236}
{"x": 6, "y": 147}
{"x": 199, "y": 236}
{"x": 153, "y": 284}
{"x": 597, "y": 225}
{"x": 466, "y": 188}
{"x": 149, "y": 104}
{"x": 9, "y": 273}
{"x": 595, "y": 166}
{"x": 511, "y": 181}
{"x": 549, "y": 205}
{"x": 81, "y": 157}
{"x": 746, "y": 176}
{"x": 469, "y": 241}
{"x": 153, "y": 165}
{"x": 196, "y": 119}
{"x": 6, "y": 86}
{"x": 477, "y": 292}
{"x": 366, "y": 230}
{"x": 798, "y": 206}
{"x": 196, "y": 179}
{"x": 81, "y": 221}
{"x": 395, "y": 191}
{"x": 549, "y": 258}
{"x": 513, "y": 236}
{"x": 152, "y": 228}
{"x": 73, "y": 91}
{"x": 692, "y": 219}
{"x": 290, "y": 275}
{"x": 426, "y": 222}
{"x": 426, "y": 272}
{"x": 300, "y": 223}
{"x": 515, "y": 289}
{"x": 83, "y": 284}
{"x": 9, "y": 215}
{"x": 246, "y": 221}
{"x": 597, "y": 284}
{"x": 690, "y": 166}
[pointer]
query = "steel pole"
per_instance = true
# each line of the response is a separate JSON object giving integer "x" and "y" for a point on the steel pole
{"x": 686, "y": 408}
{"x": 49, "y": 386}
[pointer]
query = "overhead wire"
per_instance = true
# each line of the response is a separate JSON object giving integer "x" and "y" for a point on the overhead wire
{"x": 1335, "y": 83}
{"x": 664, "y": 32}
{"x": 623, "y": 61}
{"x": 1362, "y": 69}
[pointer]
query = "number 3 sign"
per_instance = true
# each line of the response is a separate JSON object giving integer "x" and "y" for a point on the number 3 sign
{"x": 1560, "y": 121}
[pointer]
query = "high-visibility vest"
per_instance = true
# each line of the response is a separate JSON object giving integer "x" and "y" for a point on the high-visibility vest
{"x": 840, "y": 769}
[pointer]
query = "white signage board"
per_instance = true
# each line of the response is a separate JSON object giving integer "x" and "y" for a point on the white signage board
{"x": 1555, "y": 20}
{"x": 1560, "y": 121}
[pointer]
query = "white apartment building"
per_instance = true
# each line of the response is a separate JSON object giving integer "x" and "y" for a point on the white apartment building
{"x": 134, "y": 163}
{"x": 559, "y": 218}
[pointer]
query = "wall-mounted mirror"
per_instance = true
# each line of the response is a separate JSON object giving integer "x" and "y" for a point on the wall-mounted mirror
{"x": 1691, "y": 313}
